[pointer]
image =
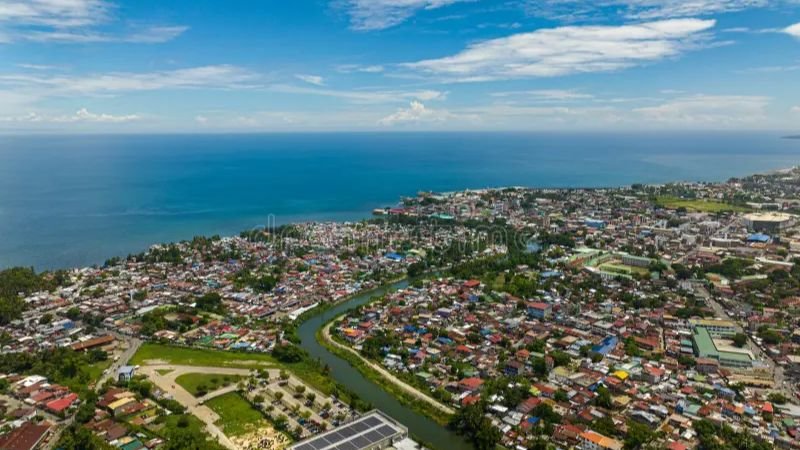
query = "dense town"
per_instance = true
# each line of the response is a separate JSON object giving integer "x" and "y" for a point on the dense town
{"x": 636, "y": 317}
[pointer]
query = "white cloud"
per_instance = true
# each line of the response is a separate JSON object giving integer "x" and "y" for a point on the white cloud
{"x": 363, "y": 96}
{"x": 311, "y": 79}
{"x": 149, "y": 35}
{"x": 220, "y": 76}
{"x": 708, "y": 110}
{"x": 351, "y": 68}
{"x": 36, "y": 66}
{"x": 547, "y": 94}
{"x": 569, "y": 50}
{"x": 54, "y": 13}
{"x": 793, "y": 30}
{"x": 367, "y": 15}
{"x": 795, "y": 109}
{"x": 416, "y": 113}
{"x": 72, "y": 21}
{"x": 82, "y": 115}
{"x": 640, "y": 9}
{"x": 155, "y": 34}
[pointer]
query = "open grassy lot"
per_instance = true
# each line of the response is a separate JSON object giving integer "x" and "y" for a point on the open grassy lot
{"x": 96, "y": 370}
{"x": 199, "y": 384}
{"x": 236, "y": 416}
{"x": 184, "y": 356}
{"x": 698, "y": 205}
{"x": 305, "y": 370}
{"x": 621, "y": 268}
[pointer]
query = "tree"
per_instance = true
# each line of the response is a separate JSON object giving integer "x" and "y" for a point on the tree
{"x": 77, "y": 437}
{"x": 415, "y": 269}
{"x": 539, "y": 367}
{"x": 280, "y": 422}
{"x": 603, "y": 398}
{"x": 740, "y": 339}
{"x": 777, "y": 398}
{"x": 638, "y": 435}
{"x": 288, "y": 353}
{"x": 85, "y": 412}
{"x": 471, "y": 422}
{"x": 73, "y": 313}
{"x": 211, "y": 302}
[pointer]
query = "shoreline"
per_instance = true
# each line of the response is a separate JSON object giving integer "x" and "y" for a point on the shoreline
{"x": 366, "y": 215}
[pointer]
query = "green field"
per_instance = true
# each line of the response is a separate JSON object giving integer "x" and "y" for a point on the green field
{"x": 189, "y": 421}
{"x": 203, "y": 383}
{"x": 305, "y": 370}
{"x": 185, "y": 356}
{"x": 236, "y": 416}
{"x": 623, "y": 269}
{"x": 698, "y": 205}
{"x": 95, "y": 370}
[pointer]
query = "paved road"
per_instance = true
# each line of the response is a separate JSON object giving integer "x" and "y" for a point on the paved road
{"x": 326, "y": 334}
{"x": 193, "y": 405}
{"x": 779, "y": 378}
{"x": 133, "y": 347}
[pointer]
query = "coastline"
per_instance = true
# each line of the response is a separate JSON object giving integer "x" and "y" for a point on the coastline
{"x": 61, "y": 224}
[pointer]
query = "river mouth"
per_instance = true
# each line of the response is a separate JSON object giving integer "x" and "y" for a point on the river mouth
{"x": 431, "y": 433}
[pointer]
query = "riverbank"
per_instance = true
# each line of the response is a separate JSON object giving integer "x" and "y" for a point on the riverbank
{"x": 405, "y": 393}
{"x": 422, "y": 427}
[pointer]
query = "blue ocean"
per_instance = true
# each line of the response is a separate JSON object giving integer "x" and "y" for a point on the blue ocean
{"x": 77, "y": 200}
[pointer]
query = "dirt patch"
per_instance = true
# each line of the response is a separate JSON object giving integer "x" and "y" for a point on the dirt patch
{"x": 155, "y": 362}
{"x": 262, "y": 438}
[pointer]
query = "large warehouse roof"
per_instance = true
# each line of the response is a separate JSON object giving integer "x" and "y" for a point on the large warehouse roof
{"x": 365, "y": 432}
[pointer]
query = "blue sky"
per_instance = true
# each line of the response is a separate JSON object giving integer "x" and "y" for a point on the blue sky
{"x": 317, "y": 65}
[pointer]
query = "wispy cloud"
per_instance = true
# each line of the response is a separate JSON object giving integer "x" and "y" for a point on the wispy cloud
{"x": 352, "y": 68}
{"x": 548, "y": 95}
{"x": 311, "y": 79}
{"x": 417, "y": 113}
{"x": 36, "y": 66}
{"x": 55, "y": 13}
{"x": 219, "y": 76}
{"x": 795, "y": 109}
{"x": 82, "y": 115}
{"x": 793, "y": 30}
{"x": 368, "y": 15}
{"x": 149, "y": 35}
{"x": 568, "y": 50}
{"x": 704, "y": 110}
{"x": 362, "y": 96}
{"x": 573, "y": 10}
{"x": 73, "y": 21}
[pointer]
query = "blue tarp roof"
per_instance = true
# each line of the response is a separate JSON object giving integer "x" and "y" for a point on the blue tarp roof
{"x": 606, "y": 345}
{"x": 758, "y": 237}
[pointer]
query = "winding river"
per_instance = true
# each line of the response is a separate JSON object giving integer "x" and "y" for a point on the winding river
{"x": 419, "y": 426}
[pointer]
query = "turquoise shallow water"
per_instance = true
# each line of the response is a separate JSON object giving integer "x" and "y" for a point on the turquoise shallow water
{"x": 77, "y": 200}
